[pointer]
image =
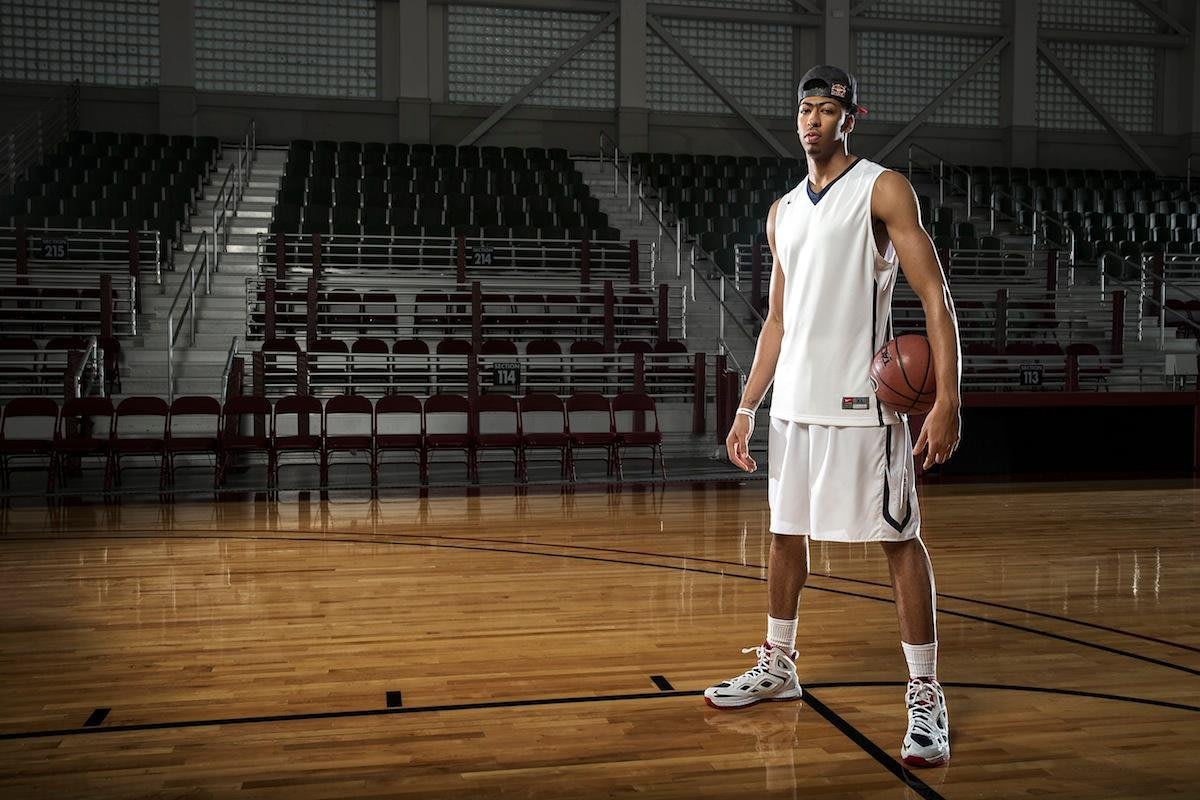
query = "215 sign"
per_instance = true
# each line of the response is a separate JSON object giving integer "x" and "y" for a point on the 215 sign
{"x": 56, "y": 249}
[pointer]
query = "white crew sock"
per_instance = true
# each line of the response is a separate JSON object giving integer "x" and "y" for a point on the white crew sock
{"x": 922, "y": 659}
{"x": 781, "y": 633}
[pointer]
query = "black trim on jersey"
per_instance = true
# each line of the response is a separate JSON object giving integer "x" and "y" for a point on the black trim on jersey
{"x": 887, "y": 491}
{"x": 815, "y": 197}
{"x": 874, "y": 321}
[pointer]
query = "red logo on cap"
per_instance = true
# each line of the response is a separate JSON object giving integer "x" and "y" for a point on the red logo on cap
{"x": 838, "y": 90}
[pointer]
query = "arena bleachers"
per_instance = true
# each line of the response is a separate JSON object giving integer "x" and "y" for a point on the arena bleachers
{"x": 109, "y": 181}
{"x": 40, "y": 429}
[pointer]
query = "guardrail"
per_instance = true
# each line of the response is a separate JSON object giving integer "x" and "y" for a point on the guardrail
{"x": 34, "y": 371}
{"x": 186, "y": 291}
{"x": 456, "y": 258}
{"x": 1002, "y": 373}
{"x": 27, "y": 142}
{"x": 233, "y": 187}
{"x": 742, "y": 308}
{"x": 343, "y": 307}
{"x": 60, "y": 306}
{"x": 71, "y": 251}
{"x": 1068, "y": 240}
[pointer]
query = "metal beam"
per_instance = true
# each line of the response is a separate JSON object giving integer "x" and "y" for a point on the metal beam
{"x": 979, "y": 30}
{"x": 539, "y": 79}
{"x": 929, "y": 108}
{"x": 734, "y": 15}
{"x": 596, "y": 6}
{"x": 1162, "y": 15}
{"x": 1096, "y": 109}
{"x": 805, "y": 5}
{"x": 713, "y": 84}
{"x": 861, "y": 6}
{"x": 1115, "y": 37}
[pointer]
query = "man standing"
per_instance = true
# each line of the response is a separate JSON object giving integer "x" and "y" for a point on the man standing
{"x": 841, "y": 466}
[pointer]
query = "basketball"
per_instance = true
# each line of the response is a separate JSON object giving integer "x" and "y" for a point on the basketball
{"x": 902, "y": 374}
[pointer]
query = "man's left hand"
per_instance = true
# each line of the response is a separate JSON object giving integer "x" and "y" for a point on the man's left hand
{"x": 939, "y": 433}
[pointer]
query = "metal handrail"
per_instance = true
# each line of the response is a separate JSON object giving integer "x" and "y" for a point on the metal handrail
{"x": 189, "y": 281}
{"x": 91, "y": 353}
{"x": 1038, "y": 215}
{"x": 233, "y": 187}
{"x": 1140, "y": 289}
{"x": 677, "y": 239}
{"x": 229, "y": 357}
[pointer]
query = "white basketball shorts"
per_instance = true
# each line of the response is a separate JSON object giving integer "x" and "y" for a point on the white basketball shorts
{"x": 842, "y": 484}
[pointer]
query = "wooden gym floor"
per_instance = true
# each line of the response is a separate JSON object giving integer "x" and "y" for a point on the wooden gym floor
{"x": 556, "y": 644}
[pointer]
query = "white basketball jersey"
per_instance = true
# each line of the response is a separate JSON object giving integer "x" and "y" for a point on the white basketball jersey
{"x": 837, "y": 301}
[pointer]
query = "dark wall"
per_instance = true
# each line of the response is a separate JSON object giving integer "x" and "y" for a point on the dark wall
{"x": 1108, "y": 439}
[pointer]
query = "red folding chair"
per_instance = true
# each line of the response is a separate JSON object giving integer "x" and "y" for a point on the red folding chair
{"x": 590, "y": 425}
{"x": 296, "y": 435}
{"x": 545, "y": 374}
{"x": 399, "y": 426}
{"x": 27, "y": 432}
{"x": 630, "y": 436}
{"x": 244, "y": 413}
{"x": 498, "y": 427}
{"x": 348, "y": 426}
{"x": 448, "y": 427}
{"x": 328, "y": 366}
{"x": 139, "y": 429}
{"x": 84, "y": 428}
{"x": 544, "y": 427}
{"x": 189, "y": 432}
{"x": 411, "y": 369}
{"x": 369, "y": 373}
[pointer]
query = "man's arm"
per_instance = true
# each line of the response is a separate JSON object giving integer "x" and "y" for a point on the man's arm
{"x": 766, "y": 356}
{"x": 894, "y": 203}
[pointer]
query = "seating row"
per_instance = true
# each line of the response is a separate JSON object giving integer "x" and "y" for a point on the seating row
{"x": 38, "y": 428}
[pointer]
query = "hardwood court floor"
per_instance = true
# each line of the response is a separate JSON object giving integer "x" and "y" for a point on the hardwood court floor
{"x": 508, "y": 645}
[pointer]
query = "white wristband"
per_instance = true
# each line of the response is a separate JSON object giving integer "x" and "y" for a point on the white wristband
{"x": 747, "y": 412}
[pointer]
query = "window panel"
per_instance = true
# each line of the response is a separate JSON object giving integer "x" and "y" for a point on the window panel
{"x": 309, "y": 47}
{"x": 753, "y": 62}
{"x": 110, "y": 44}
{"x": 900, "y": 73}
{"x": 494, "y": 52}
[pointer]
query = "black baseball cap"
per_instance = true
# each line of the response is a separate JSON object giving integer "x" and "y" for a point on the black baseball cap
{"x": 832, "y": 82}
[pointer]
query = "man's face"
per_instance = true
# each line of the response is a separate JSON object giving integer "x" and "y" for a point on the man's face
{"x": 822, "y": 125}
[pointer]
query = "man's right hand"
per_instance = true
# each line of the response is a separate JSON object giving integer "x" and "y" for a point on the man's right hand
{"x": 737, "y": 444}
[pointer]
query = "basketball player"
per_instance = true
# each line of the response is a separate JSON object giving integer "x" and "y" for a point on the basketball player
{"x": 841, "y": 466}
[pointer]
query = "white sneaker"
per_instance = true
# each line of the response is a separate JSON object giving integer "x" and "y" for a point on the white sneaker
{"x": 772, "y": 678}
{"x": 927, "y": 743}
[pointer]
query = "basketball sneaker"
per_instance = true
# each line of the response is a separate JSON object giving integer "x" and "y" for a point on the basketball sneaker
{"x": 772, "y": 678}
{"x": 927, "y": 743}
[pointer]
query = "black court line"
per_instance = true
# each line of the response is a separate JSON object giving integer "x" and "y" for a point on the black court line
{"x": 97, "y": 717}
{"x": 830, "y": 576}
{"x": 378, "y": 541}
{"x": 552, "y": 701}
{"x": 662, "y": 683}
{"x": 870, "y": 748}
{"x": 394, "y": 699}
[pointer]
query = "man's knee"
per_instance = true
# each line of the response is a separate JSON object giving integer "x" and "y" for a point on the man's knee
{"x": 903, "y": 549}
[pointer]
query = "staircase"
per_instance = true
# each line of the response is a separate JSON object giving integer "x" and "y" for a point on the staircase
{"x": 702, "y": 312}
{"x": 220, "y": 315}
